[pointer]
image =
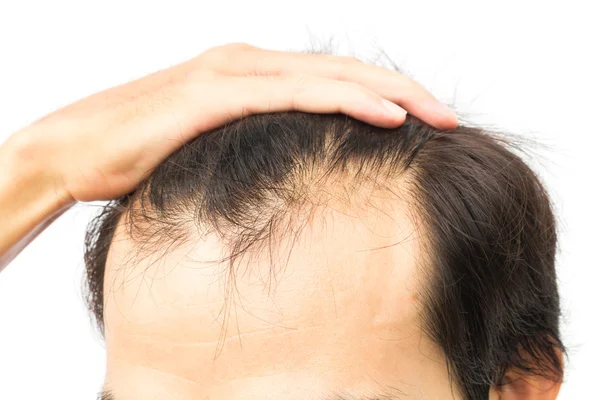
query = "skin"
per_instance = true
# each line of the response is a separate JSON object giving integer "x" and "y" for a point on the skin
{"x": 102, "y": 146}
{"x": 327, "y": 328}
{"x": 348, "y": 320}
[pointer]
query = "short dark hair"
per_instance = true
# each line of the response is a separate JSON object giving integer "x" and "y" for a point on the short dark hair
{"x": 491, "y": 300}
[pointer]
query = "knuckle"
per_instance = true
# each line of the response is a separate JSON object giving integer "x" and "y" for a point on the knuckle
{"x": 229, "y": 47}
{"x": 300, "y": 85}
{"x": 238, "y": 46}
{"x": 341, "y": 64}
{"x": 302, "y": 81}
{"x": 213, "y": 57}
{"x": 223, "y": 54}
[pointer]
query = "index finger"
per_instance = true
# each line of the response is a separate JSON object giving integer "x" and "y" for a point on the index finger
{"x": 391, "y": 85}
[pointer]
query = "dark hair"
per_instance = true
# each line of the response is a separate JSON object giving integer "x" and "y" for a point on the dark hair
{"x": 491, "y": 301}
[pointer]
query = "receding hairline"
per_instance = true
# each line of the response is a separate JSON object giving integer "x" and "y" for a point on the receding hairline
{"x": 494, "y": 218}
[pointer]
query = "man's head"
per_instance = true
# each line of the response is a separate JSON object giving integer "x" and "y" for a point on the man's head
{"x": 300, "y": 256}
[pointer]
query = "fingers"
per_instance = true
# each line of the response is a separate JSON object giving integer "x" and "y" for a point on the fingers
{"x": 393, "y": 86}
{"x": 306, "y": 93}
{"x": 389, "y": 84}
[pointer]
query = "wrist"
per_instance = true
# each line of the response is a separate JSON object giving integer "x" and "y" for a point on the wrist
{"x": 28, "y": 166}
{"x": 31, "y": 195}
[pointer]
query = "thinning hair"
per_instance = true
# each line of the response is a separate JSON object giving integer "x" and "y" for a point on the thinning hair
{"x": 491, "y": 301}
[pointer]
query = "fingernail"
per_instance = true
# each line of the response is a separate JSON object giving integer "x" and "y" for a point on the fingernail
{"x": 393, "y": 108}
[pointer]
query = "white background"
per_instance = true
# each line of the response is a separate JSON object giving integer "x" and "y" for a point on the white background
{"x": 528, "y": 67}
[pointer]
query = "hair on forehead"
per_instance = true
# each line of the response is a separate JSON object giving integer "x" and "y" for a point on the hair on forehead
{"x": 491, "y": 298}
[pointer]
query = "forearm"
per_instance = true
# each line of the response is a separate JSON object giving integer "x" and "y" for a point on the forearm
{"x": 31, "y": 197}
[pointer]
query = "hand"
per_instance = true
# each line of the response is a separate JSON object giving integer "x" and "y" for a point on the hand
{"x": 102, "y": 146}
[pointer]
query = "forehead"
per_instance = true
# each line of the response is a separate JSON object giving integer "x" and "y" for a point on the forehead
{"x": 318, "y": 303}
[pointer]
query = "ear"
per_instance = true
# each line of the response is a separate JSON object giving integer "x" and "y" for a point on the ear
{"x": 520, "y": 385}
{"x": 527, "y": 388}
